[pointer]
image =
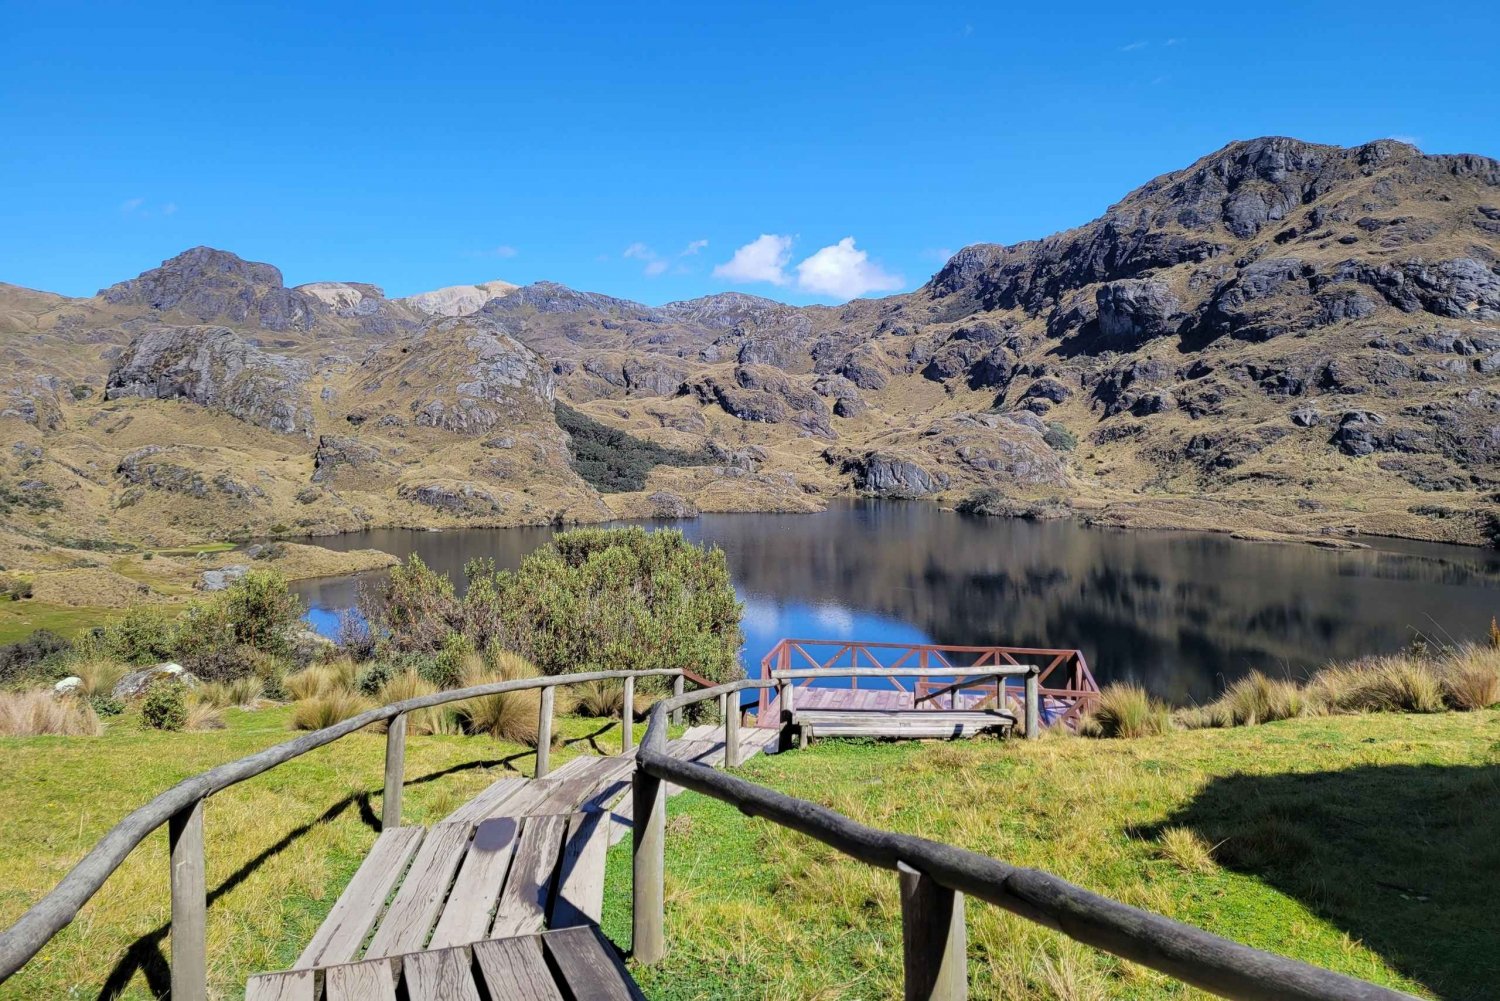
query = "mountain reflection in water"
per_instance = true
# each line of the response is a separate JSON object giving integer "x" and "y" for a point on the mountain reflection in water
{"x": 1179, "y": 612}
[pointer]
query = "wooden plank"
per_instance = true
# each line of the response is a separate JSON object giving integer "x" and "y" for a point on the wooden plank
{"x": 358, "y": 908}
{"x": 933, "y": 939}
{"x": 522, "y": 909}
{"x": 295, "y": 985}
{"x": 588, "y": 966}
{"x": 515, "y": 970}
{"x": 416, "y": 905}
{"x": 395, "y": 772}
{"x": 488, "y": 803}
{"x": 467, "y": 912}
{"x": 189, "y": 893}
{"x": 372, "y": 980}
{"x": 580, "y": 878}
{"x": 441, "y": 975}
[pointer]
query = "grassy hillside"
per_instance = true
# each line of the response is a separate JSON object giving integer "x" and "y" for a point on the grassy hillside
{"x": 280, "y": 847}
{"x": 1360, "y": 843}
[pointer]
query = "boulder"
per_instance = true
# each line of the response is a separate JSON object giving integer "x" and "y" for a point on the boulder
{"x": 135, "y": 684}
{"x": 666, "y": 504}
{"x": 68, "y": 685}
{"x": 1136, "y": 310}
{"x": 220, "y": 579}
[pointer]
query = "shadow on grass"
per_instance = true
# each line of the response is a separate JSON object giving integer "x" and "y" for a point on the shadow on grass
{"x": 146, "y": 955}
{"x": 1405, "y": 858}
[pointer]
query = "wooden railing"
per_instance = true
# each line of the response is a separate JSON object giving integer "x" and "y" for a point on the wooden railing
{"x": 1067, "y": 686}
{"x": 934, "y": 880}
{"x": 180, "y": 808}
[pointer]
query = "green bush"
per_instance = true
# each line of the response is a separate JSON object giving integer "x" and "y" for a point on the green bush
{"x": 1059, "y": 437}
{"x": 593, "y": 599}
{"x": 106, "y": 705}
{"x": 262, "y": 611}
{"x": 165, "y": 706}
{"x": 145, "y": 634}
{"x": 613, "y": 461}
{"x": 33, "y": 655}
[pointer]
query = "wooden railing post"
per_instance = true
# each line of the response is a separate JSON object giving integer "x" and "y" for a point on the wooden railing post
{"x": 648, "y": 872}
{"x": 395, "y": 772}
{"x": 1033, "y": 708}
{"x": 933, "y": 939}
{"x": 627, "y": 716}
{"x": 732, "y": 732}
{"x": 677, "y": 683}
{"x": 189, "y": 905}
{"x": 544, "y": 732}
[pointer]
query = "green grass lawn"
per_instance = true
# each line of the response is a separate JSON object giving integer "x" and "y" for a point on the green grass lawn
{"x": 19, "y": 619}
{"x": 280, "y": 847}
{"x": 1366, "y": 844}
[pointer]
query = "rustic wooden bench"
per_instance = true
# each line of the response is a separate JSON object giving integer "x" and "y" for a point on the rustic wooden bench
{"x": 920, "y": 724}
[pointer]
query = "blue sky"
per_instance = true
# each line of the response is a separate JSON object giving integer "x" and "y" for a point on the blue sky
{"x": 636, "y": 149}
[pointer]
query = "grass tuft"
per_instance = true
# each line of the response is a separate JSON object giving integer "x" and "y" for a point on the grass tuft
{"x": 1471, "y": 678}
{"x": 39, "y": 711}
{"x": 511, "y": 716}
{"x": 325, "y": 710}
{"x": 1126, "y": 710}
{"x": 1396, "y": 683}
{"x": 1186, "y": 848}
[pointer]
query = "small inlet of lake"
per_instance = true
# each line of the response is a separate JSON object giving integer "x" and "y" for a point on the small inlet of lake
{"x": 1182, "y": 613}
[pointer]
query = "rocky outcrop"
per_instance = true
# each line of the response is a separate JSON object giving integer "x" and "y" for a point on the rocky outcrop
{"x": 882, "y": 474}
{"x": 206, "y": 285}
{"x": 1132, "y": 312}
{"x": 459, "y": 300}
{"x": 462, "y": 499}
{"x": 216, "y": 368}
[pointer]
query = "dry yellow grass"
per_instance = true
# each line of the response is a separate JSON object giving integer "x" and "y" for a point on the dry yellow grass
{"x": 39, "y": 711}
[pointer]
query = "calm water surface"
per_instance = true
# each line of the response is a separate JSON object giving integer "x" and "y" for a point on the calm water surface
{"x": 1179, "y": 612}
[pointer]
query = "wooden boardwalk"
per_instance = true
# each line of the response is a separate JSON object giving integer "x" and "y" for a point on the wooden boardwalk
{"x": 488, "y": 888}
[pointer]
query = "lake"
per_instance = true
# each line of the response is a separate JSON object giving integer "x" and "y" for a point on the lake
{"x": 1179, "y": 612}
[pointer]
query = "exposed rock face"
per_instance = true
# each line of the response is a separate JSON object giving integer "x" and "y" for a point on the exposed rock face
{"x": 666, "y": 504}
{"x": 209, "y": 285}
{"x": 459, "y": 300}
{"x": 338, "y": 452}
{"x": 216, "y": 368}
{"x": 884, "y": 475}
{"x": 464, "y": 499}
{"x": 1134, "y": 311}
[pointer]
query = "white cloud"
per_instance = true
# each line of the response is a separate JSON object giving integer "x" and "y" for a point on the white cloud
{"x": 844, "y": 272}
{"x": 656, "y": 264}
{"x": 693, "y": 248}
{"x": 657, "y": 267}
{"x": 1134, "y": 46}
{"x": 639, "y": 251}
{"x": 504, "y": 250}
{"x": 763, "y": 259}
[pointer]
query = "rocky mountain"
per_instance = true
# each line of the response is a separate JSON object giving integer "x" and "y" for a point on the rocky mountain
{"x": 1282, "y": 338}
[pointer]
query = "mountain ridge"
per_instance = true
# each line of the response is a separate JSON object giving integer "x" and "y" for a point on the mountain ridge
{"x": 1281, "y": 338}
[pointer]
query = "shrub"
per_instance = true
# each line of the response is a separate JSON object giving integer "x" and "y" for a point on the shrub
{"x": 419, "y": 609}
{"x": 446, "y": 669}
{"x": 38, "y": 711}
{"x": 165, "y": 706}
{"x": 320, "y": 680}
{"x": 609, "y": 599}
{"x": 1059, "y": 437}
{"x": 32, "y": 655}
{"x": 1125, "y": 711}
{"x": 1256, "y": 698}
{"x": 611, "y": 460}
{"x": 262, "y": 611}
{"x": 326, "y": 710}
{"x": 16, "y": 588}
{"x": 145, "y": 634}
{"x": 106, "y": 705}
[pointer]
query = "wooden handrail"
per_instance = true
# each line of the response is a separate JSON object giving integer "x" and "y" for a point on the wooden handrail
{"x": 48, "y": 916}
{"x": 1188, "y": 954}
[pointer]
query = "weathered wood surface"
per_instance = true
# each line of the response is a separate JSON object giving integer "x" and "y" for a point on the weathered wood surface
{"x": 522, "y": 909}
{"x": 1189, "y": 954}
{"x": 294, "y": 985}
{"x": 368, "y": 981}
{"x": 580, "y": 877}
{"x": 52, "y": 913}
{"x": 441, "y": 975}
{"x": 934, "y": 946}
{"x": 515, "y": 970}
{"x": 415, "y": 907}
{"x": 908, "y": 723}
{"x": 338, "y": 939}
{"x": 589, "y": 966}
{"x": 476, "y": 890}
{"x": 395, "y": 773}
{"x": 488, "y": 803}
{"x": 189, "y": 893}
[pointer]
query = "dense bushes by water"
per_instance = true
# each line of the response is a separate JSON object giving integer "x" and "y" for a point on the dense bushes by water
{"x": 613, "y": 461}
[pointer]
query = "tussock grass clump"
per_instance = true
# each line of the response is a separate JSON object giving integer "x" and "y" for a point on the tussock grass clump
{"x": 203, "y": 715}
{"x": 318, "y": 681}
{"x": 1253, "y": 699}
{"x": 599, "y": 699}
{"x": 98, "y": 672}
{"x": 1185, "y": 848}
{"x": 1125, "y": 710}
{"x": 1396, "y": 683}
{"x": 242, "y": 693}
{"x": 1471, "y": 678}
{"x": 510, "y": 716}
{"x": 325, "y": 710}
{"x": 409, "y": 684}
{"x": 38, "y": 711}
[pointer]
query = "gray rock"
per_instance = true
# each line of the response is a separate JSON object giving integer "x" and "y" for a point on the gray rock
{"x": 135, "y": 684}
{"x": 1136, "y": 310}
{"x": 1306, "y": 417}
{"x": 665, "y": 504}
{"x": 214, "y": 367}
{"x": 462, "y": 499}
{"x": 68, "y": 685}
{"x": 219, "y": 580}
{"x": 883, "y": 475}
